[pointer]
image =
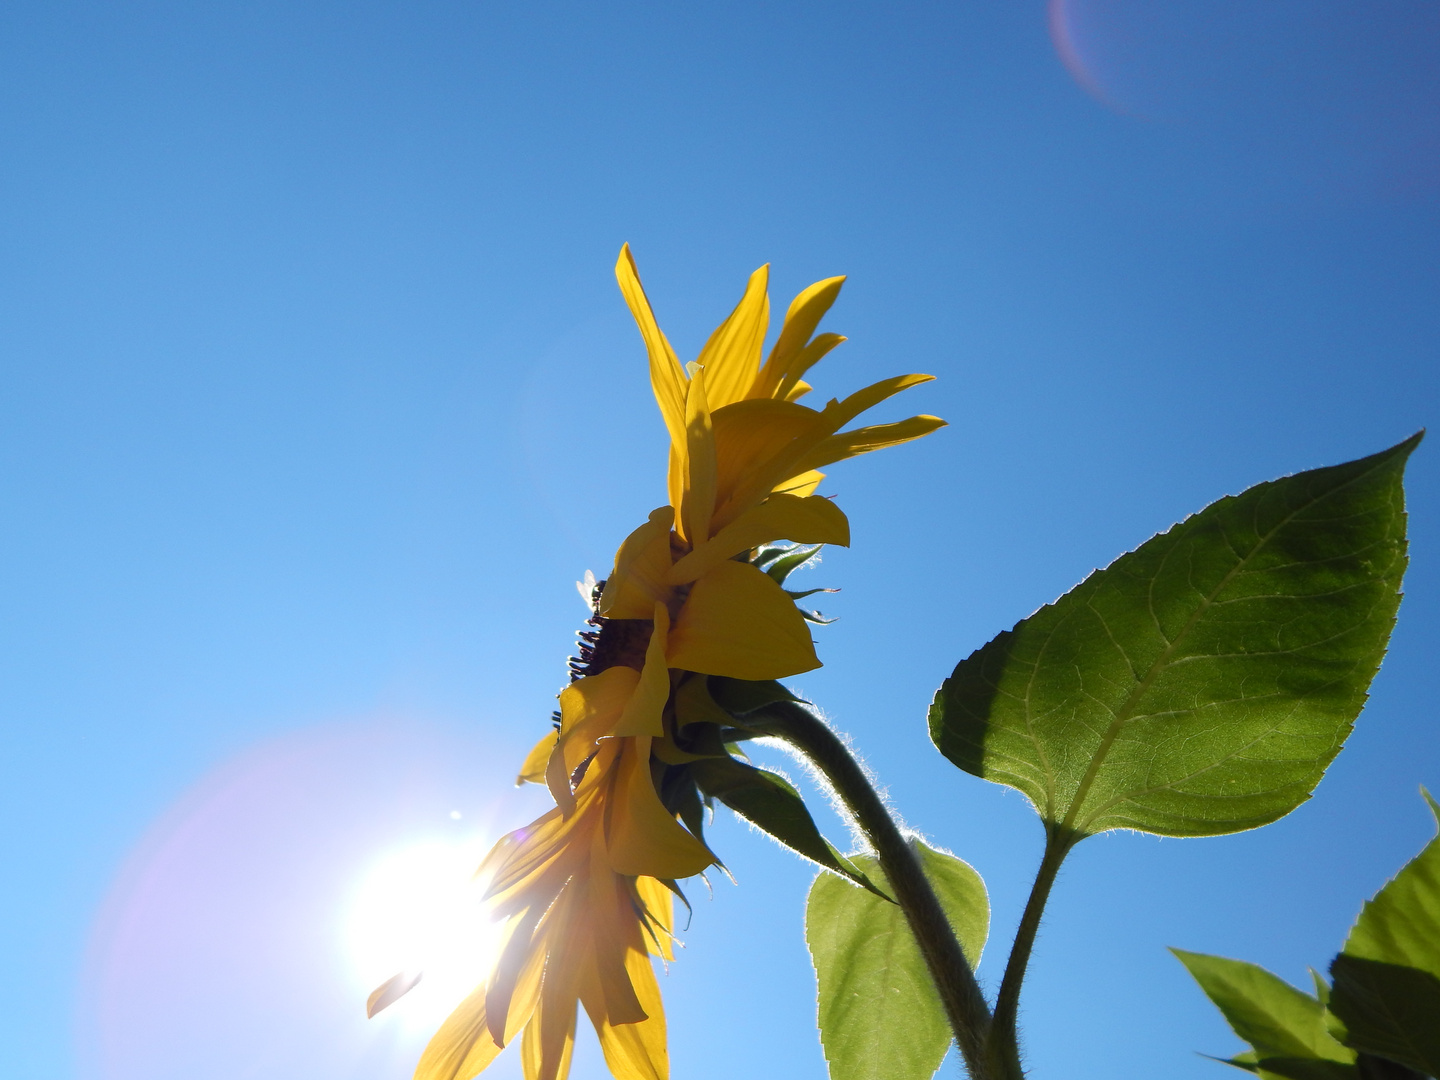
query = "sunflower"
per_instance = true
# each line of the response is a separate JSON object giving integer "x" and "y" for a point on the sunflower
{"x": 640, "y": 745}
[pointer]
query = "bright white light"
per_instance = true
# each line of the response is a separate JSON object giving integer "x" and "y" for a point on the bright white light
{"x": 418, "y": 910}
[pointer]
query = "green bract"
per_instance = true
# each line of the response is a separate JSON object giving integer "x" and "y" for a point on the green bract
{"x": 878, "y": 1013}
{"x": 1202, "y": 683}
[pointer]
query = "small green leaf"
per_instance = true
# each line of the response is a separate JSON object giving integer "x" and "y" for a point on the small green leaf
{"x": 1387, "y": 979}
{"x": 1284, "y": 1026}
{"x": 770, "y": 802}
{"x": 880, "y": 1018}
{"x": 1202, "y": 683}
{"x": 800, "y": 594}
{"x": 791, "y": 561}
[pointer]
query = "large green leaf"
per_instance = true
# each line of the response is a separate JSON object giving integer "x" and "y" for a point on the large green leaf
{"x": 1285, "y": 1027}
{"x": 1202, "y": 683}
{"x": 1387, "y": 979}
{"x": 880, "y": 1017}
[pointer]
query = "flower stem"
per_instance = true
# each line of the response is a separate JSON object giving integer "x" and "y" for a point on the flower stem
{"x": 965, "y": 1005}
{"x": 1002, "y": 1049}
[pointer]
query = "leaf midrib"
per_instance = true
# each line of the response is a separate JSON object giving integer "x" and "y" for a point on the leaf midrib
{"x": 1124, "y": 714}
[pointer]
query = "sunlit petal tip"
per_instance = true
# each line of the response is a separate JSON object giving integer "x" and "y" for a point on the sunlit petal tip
{"x": 391, "y": 991}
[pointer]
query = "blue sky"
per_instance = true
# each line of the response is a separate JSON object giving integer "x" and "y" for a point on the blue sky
{"x": 318, "y": 394}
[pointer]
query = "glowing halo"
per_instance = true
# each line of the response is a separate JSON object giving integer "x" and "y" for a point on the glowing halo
{"x": 246, "y": 929}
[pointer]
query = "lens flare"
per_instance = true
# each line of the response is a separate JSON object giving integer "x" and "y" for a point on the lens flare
{"x": 245, "y": 931}
{"x": 417, "y": 911}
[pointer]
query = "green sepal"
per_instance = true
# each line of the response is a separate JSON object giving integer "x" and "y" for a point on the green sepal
{"x": 816, "y": 618}
{"x": 739, "y": 697}
{"x": 800, "y": 594}
{"x": 680, "y": 795}
{"x": 770, "y": 802}
{"x": 792, "y": 559}
{"x": 695, "y": 704}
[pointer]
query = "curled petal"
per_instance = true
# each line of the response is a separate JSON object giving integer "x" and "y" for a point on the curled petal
{"x": 641, "y": 836}
{"x": 802, "y": 485}
{"x": 532, "y": 771}
{"x": 738, "y": 622}
{"x": 633, "y": 1051}
{"x": 644, "y": 712}
{"x": 590, "y": 709}
{"x": 391, "y": 991}
{"x": 813, "y": 520}
{"x": 638, "y": 580}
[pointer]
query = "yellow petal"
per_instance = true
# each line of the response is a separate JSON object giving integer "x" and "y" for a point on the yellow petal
{"x": 514, "y": 984}
{"x": 591, "y": 708}
{"x": 698, "y": 501}
{"x": 462, "y": 1047}
{"x": 659, "y": 906}
{"x": 738, "y": 622}
{"x": 642, "y": 562}
{"x": 876, "y": 437}
{"x": 391, "y": 991}
{"x": 731, "y": 358}
{"x": 532, "y": 1053}
{"x": 814, "y": 520}
{"x": 518, "y": 859}
{"x": 666, "y": 377}
{"x": 644, "y": 712}
{"x": 744, "y": 487}
{"x": 614, "y": 928}
{"x": 802, "y": 485}
{"x": 843, "y": 412}
{"x": 793, "y": 385}
{"x": 533, "y": 770}
{"x": 641, "y": 836}
{"x": 549, "y": 1039}
{"x": 756, "y": 443}
{"x": 637, "y": 1051}
{"x": 803, "y": 316}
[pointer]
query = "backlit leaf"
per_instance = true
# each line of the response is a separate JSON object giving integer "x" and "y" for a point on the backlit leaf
{"x": 770, "y": 802}
{"x": 1387, "y": 979}
{"x": 1285, "y": 1027}
{"x": 1202, "y": 683}
{"x": 880, "y": 1017}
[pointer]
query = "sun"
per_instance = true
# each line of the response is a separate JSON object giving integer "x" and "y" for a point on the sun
{"x": 416, "y": 909}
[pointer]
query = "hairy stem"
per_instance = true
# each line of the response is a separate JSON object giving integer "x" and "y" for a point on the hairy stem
{"x": 965, "y": 1005}
{"x": 1002, "y": 1050}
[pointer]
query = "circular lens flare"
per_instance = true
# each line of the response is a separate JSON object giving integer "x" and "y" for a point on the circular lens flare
{"x": 246, "y": 930}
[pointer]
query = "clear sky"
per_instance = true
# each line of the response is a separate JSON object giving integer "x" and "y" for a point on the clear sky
{"x": 318, "y": 395}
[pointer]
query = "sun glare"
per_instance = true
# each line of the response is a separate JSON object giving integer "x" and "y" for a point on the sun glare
{"x": 417, "y": 910}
